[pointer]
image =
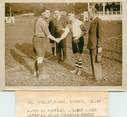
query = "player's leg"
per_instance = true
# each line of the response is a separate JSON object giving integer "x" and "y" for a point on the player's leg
{"x": 39, "y": 46}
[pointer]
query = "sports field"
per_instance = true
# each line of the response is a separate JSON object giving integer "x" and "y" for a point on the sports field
{"x": 19, "y": 58}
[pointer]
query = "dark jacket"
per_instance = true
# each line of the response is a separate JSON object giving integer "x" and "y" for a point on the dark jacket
{"x": 56, "y": 27}
{"x": 95, "y": 34}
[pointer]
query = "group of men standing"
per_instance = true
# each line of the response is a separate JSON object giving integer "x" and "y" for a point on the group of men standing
{"x": 57, "y": 29}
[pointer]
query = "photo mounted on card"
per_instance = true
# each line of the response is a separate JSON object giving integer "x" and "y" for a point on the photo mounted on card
{"x": 61, "y": 104}
{"x": 65, "y": 45}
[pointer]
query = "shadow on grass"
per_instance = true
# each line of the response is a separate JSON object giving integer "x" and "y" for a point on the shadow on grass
{"x": 18, "y": 58}
{"x": 26, "y": 49}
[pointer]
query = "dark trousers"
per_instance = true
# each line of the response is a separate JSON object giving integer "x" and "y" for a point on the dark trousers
{"x": 61, "y": 50}
{"x": 78, "y": 47}
{"x": 96, "y": 67}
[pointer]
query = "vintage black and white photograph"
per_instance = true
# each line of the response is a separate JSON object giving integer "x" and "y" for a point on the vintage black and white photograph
{"x": 63, "y": 44}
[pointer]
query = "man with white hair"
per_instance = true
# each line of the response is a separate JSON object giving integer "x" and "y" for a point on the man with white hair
{"x": 57, "y": 28}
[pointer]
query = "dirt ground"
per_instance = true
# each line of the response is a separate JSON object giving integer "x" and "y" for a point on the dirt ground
{"x": 19, "y": 59}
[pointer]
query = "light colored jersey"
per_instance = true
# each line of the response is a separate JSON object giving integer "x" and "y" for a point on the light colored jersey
{"x": 76, "y": 28}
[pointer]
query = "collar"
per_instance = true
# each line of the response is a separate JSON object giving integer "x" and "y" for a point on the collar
{"x": 44, "y": 18}
{"x": 74, "y": 20}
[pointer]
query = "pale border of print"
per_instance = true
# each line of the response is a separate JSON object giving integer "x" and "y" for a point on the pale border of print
{"x": 64, "y": 88}
{"x": 22, "y": 99}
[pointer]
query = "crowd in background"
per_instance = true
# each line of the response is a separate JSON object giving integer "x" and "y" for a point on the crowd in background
{"x": 110, "y": 7}
{"x": 113, "y": 7}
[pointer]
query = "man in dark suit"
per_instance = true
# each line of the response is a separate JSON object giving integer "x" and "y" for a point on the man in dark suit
{"x": 94, "y": 44}
{"x": 56, "y": 28}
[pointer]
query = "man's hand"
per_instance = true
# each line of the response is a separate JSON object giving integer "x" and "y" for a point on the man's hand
{"x": 58, "y": 40}
{"x": 99, "y": 49}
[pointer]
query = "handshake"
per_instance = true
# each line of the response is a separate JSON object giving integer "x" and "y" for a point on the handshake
{"x": 57, "y": 40}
